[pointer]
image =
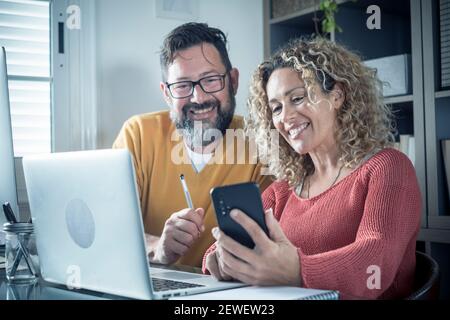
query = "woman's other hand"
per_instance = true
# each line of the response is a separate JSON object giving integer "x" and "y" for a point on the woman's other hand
{"x": 214, "y": 268}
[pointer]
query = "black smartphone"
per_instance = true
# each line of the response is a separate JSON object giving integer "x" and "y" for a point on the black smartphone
{"x": 245, "y": 197}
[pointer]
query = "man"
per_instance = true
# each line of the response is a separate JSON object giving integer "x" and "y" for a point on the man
{"x": 199, "y": 86}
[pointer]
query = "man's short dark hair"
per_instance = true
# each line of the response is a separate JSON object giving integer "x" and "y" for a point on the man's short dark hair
{"x": 189, "y": 35}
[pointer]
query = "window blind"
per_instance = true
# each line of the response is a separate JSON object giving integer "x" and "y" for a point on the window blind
{"x": 25, "y": 34}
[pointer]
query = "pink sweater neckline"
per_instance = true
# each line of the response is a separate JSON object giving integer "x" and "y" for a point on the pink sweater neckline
{"x": 346, "y": 178}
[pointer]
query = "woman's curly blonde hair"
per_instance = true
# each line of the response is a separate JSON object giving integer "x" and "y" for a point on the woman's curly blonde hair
{"x": 364, "y": 123}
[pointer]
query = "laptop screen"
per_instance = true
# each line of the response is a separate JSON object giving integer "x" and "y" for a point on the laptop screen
{"x": 7, "y": 172}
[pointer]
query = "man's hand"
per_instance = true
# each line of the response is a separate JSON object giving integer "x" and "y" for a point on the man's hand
{"x": 180, "y": 232}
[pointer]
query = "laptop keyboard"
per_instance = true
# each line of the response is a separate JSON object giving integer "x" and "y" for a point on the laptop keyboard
{"x": 165, "y": 285}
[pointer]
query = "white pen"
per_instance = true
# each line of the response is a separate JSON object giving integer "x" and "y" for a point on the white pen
{"x": 186, "y": 192}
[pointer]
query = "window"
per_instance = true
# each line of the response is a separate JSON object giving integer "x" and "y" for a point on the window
{"x": 25, "y": 34}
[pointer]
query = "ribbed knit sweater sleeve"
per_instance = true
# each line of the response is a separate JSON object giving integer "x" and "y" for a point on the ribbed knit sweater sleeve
{"x": 209, "y": 251}
{"x": 388, "y": 226}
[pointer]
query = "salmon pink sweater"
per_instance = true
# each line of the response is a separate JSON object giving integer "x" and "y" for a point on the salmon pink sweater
{"x": 363, "y": 227}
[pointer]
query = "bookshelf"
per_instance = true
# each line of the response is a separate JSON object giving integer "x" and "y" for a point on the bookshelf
{"x": 437, "y": 100}
{"x": 407, "y": 27}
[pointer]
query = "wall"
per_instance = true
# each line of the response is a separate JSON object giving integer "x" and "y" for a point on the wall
{"x": 129, "y": 37}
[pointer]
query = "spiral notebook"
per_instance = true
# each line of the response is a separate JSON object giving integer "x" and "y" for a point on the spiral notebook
{"x": 266, "y": 293}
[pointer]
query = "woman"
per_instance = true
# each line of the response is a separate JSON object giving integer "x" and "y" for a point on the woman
{"x": 344, "y": 213}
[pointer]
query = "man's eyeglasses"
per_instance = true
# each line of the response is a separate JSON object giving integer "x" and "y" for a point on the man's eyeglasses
{"x": 209, "y": 84}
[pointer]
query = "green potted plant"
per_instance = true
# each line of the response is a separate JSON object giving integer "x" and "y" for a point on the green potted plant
{"x": 328, "y": 23}
{"x": 329, "y": 8}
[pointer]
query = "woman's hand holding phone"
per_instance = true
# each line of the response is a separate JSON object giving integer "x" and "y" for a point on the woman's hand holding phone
{"x": 273, "y": 261}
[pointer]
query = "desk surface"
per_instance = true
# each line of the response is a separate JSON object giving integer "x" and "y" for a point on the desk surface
{"x": 42, "y": 290}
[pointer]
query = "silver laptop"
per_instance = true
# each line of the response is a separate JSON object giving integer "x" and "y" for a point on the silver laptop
{"x": 89, "y": 231}
{"x": 7, "y": 171}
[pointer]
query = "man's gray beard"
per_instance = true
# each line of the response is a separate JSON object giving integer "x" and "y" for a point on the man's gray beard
{"x": 204, "y": 132}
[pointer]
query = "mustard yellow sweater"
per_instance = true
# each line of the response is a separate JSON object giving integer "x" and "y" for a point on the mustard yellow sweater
{"x": 160, "y": 157}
